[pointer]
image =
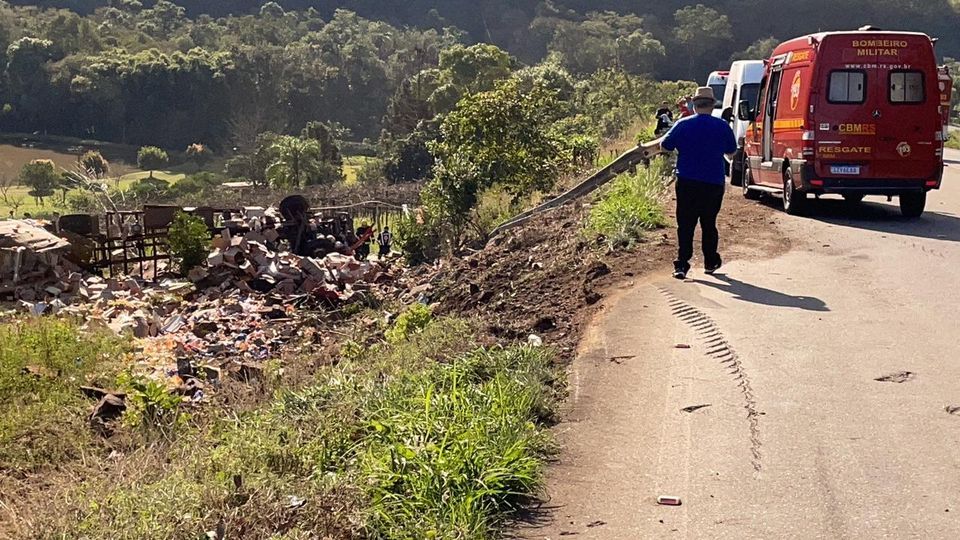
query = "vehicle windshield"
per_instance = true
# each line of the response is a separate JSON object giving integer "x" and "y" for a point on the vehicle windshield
{"x": 718, "y": 91}
{"x": 751, "y": 93}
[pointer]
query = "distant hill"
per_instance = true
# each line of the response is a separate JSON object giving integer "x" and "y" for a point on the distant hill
{"x": 507, "y": 22}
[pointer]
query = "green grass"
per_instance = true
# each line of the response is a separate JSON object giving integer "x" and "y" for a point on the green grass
{"x": 630, "y": 205}
{"x": 352, "y": 166}
{"x": 43, "y": 362}
{"x": 953, "y": 141}
{"x": 428, "y": 436}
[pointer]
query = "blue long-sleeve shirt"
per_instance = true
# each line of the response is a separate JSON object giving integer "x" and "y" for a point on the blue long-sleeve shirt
{"x": 701, "y": 140}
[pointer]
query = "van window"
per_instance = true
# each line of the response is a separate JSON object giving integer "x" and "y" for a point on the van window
{"x": 906, "y": 87}
{"x": 751, "y": 93}
{"x": 847, "y": 87}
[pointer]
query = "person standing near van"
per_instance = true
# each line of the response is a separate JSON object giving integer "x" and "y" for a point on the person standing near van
{"x": 701, "y": 142}
{"x": 664, "y": 119}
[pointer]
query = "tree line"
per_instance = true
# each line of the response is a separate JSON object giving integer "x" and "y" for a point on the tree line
{"x": 158, "y": 72}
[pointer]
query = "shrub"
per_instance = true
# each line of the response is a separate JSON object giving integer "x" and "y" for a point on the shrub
{"x": 199, "y": 153}
{"x": 150, "y": 404}
{"x": 95, "y": 164}
{"x": 410, "y": 322}
{"x": 630, "y": 206}
{"x": 418, "y": 238}
{"x": 189, "y": 241}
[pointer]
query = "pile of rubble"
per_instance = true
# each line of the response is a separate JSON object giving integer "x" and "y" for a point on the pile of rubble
{"x": 240, "y": 309}
{"x": 252, "y": 265}
{"x": 33, "y": 263}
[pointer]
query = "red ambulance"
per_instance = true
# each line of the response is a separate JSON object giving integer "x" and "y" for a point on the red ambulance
{"x": 848, "y": 113}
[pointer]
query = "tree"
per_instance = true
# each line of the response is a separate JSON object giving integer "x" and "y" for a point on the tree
{"x": 41, "y": 177}
{"x": 95, "y": 164}
{"x": 760, "y": 49}
{"x": 189, "y": 241}
{"x": 320, "y": 132}
{"x": 702, "y": 32}
{"x": 6, "y": 183}
{"x": 297, "y": 160}
{"x": 151, "y": 158}
{"x": 199, "y": 153}
{"x": 501, "y": 138}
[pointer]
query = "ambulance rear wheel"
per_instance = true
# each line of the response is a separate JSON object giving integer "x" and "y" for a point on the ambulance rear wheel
{"x": 794, "y": 201}
{"x": 748, "y": 181}
{"x": 736, "y": 169}
{"x": 912, "y": 204}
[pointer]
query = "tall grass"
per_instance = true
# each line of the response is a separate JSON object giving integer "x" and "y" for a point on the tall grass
{"x": 428, "y": 436}
{"x": 631, "y": 205}
{"x": 43, "y": 362}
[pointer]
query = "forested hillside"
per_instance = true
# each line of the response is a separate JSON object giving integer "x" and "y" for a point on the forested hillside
{"x": 156, "y": 72}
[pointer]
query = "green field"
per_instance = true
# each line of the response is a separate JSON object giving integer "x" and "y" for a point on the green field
{"x": 15, "y": 154}
{"x": 352, "y": 166}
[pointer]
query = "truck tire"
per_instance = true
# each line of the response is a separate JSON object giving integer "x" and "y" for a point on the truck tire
{"x": 794, "y": 200}
{"x": 747, "y": 182}
{"x": 912, "y": 204}
{"x": 736, "y": 169}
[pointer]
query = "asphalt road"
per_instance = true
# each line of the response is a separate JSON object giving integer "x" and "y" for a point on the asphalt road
{"x": 825, "y": 379}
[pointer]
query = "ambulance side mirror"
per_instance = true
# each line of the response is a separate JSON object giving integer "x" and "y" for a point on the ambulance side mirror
{"x": 745, "y": 112}
{"x": 727, "y": 115}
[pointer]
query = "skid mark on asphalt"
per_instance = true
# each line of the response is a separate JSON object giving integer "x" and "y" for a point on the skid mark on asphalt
{"x": 719, "y": 349}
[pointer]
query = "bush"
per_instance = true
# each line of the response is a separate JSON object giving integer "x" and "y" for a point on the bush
{"x": 630, "y": 206}
{"x": 410, "y": 322}
{"x": 194, "y": 184}
{"x": 417, "y": 238}
{"x": 199, "y": 153}
{"x": 95, "y": 164}
{"x": 189, "y": 241}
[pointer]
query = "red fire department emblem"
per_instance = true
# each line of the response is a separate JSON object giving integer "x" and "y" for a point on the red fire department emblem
{"x": 903, "y": 149}
{"x": 795, "y": 91}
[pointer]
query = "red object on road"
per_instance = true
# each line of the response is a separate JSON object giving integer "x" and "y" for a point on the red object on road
{"x": 851, "y": 113}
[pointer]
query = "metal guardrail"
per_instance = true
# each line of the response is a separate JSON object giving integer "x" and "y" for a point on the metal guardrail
{"x": 628, "y": 160}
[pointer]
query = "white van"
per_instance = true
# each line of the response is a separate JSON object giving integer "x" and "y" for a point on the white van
{"x": 743, "y": 83}
{"x": 717, "y": 80}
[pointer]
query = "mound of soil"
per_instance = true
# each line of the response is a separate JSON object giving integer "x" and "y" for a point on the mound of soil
{"x": 547, "y": 278}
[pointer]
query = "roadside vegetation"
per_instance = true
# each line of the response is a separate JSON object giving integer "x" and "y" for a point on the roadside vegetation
{"x": 631, "y": 206}
{"x": 424, "y": 434}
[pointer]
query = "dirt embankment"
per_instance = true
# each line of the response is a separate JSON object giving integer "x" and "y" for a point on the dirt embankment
{"x": 548, "y": 279}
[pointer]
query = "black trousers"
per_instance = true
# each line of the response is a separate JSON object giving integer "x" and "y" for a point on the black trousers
{"x": 698, "y": 202}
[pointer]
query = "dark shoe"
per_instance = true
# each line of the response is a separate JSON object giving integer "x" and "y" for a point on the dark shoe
{"x": 713, "y": 267}
{"x": 680, "y": 272}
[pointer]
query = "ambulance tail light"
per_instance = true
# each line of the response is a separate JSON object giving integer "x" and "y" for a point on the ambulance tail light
{"x": 932, "y": 183}
{"x": 808, "y": 147}
{"x": 816, "y": 183}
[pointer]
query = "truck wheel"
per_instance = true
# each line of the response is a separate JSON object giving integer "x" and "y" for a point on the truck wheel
{"x": 912, "y": 204}
{"x": 853, "y": 198}
{"x": 736, "y": 169}
{"x": 794, "y": 201}
{"x": 748, "y": 181}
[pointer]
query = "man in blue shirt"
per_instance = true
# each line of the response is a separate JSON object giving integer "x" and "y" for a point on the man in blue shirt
{"x": 701, "y": 141}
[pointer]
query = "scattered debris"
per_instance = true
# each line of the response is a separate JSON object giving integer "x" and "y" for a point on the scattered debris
{"x": 898, "y": 377}
{"x": 681, "y": 346}
{"x": 620, "y": 359}
{"x": 534, "y": 340}
{"x": 953, "y": 409}
{"x": 693, "y": 408}
{"x": 597, "y": 523}
{"x": 669, "y": 500}
{"x": 110, "y": 407}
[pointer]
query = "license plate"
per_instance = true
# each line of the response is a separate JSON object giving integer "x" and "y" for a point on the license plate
{"x": 845, "y": 169}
